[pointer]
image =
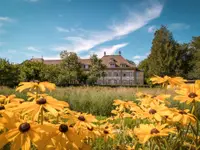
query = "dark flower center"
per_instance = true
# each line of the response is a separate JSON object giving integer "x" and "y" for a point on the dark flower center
{"x": 81, "y": 118}
{"x": 24, "y": 127}
{"x": 2, "y": 107}
{"x": 166, "y": 117}
{"x": 153, "y": 96}
{"x": 182, "y": 112}
{"x": 105, "y": 132}
{"x": 41, "y": 101}
{"x": 63, "y": 128}
{"x": 154, "y": 131}
{"x": 192, "y": 95}
{"x": 152, "y": 111}
{"x": 90, "y": 129}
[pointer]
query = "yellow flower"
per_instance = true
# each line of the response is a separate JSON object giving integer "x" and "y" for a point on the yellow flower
{"x": 107, "y": 131}
{"x": 183, "y": 117}
{"x": 20, "y": 133}
{"x": 10, "y": 99}
{"x": 84, "y": 120}
{"x": 146, "y": 131}
{"x": 123, "y": 104}
{"x": 166, "y": 80}
{"x": 62, "y": 137}
{"x": 157, "y": 111}
{"x": 36, "y": 85}
{"x": 48, "y": 103}
{"x": 188, "y": 93}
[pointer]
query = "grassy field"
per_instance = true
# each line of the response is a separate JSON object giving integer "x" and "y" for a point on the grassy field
{"x": 95, "y": 100}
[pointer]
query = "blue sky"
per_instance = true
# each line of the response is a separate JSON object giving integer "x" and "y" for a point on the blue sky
{"x": 46, "y": 27}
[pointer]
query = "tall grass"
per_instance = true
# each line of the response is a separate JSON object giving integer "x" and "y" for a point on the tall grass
{"x": 95, "y": 100}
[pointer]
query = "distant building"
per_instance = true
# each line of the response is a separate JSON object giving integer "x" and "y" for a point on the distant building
{"x": 118, "y": 70}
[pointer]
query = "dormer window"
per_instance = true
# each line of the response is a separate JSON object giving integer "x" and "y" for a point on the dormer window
{"x": 123, "y": 65}
{"x": 112, "y": 65}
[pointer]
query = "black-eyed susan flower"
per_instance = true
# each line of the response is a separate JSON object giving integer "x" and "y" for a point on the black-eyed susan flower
{"x": 166, "y": 80}
{"x": 47, "y": 103}
{"x": 156, "y": 111}
{"x": 35, "y": 86}
{"x": 10, "y": 99}
{"x": 146, "y": 131}
{"x": 188, "y": 93}
{"x": 20, "y": 133}
{"x": 84, "y": 120}
{"x": 62, "y": 137}
{"x": 183, "y": 116}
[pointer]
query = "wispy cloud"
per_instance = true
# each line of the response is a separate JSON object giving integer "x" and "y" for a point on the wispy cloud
{"x": 134, "y": 21}
{"x": 110, "y": 50}
{"x": 138, "y": 58}
{"x": 152, "y": 29}
{"x": 61, "y": 29}
{"x": 31, "y": 48}
{"x": 178, "y": 26}
{"x": 5, "y": 19}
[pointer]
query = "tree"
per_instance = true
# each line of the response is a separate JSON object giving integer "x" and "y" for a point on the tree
{"x": 195, "y": 63}
{"x": 163, "y": 56}
{"x": 71, "y": 70}
{"x": 30, "y": 70}
{"x": 9, "y": 73}
{"x": 131, "y": 62}
{"x": 50, "y": 73}
{"x": 96, "y": 69}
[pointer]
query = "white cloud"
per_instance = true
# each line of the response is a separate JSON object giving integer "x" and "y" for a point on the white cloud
{"x": 31, "y": 48}
{"x": 60, "y": 29}
{"x": 178, "y": 26}
{"x": 5, "y": 19}
{"x": 152, "y": 29}
{"x": 138, "y": 58}
{"x": 110, "y": 50}
{"x": 134, "y": 21}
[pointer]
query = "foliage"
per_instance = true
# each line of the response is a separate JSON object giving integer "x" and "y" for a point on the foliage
{"x": 168, "y": 57}
{"x": 195, "y": 62}
{"x": 96, "y": 70}
{"x": 43, "y": 122}
{"x": 70, "y": 69}
{"x": 9, "y": 73}
{"x": 31, "y": 70}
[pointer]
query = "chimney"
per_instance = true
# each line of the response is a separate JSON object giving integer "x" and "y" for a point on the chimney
{"x": 104, "y": 53}
{"x": 120, "y": 53}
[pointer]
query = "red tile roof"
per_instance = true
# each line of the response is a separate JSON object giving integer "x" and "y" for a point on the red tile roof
{"x": 118, "y": 60}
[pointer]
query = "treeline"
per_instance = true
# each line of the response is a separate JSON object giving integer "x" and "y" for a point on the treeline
{"x": 68, "y": 72}
{"x": 168, "y": 57}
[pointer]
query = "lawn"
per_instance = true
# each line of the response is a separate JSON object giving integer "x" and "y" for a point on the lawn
{"x": 95, "y": 100}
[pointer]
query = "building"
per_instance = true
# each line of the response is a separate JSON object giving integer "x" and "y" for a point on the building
{"x": 118, "y": 70}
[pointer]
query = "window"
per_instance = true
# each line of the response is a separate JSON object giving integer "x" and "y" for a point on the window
{"x": 86, "y": 66}
{"x": 116, "y": 74}
{"x": 110, "y": 74}
{"x": 112, "y": 65}
{"x": 124, "y": 74}
{"x": 123, "y": 65}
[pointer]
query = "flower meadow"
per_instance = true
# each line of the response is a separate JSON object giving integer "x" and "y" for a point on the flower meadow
{"x": 150, "y": 122}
